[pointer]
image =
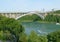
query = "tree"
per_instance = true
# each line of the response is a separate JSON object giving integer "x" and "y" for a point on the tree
{"x": 33, "y": 37}
{"x": 11, "y": 25}
{"x": 52, "y": 18}
{"x": 23, "y": 37}
{"x": 54, "y": 37}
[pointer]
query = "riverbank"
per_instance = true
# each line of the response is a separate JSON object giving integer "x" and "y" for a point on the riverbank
{"x": 36, "y": 21}
{"x": 45, "y": 22}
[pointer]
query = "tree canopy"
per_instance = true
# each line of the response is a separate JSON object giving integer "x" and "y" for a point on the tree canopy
{"x": 10, "y": 26}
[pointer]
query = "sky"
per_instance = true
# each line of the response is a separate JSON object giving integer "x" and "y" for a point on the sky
{"x": 28, "y": 5}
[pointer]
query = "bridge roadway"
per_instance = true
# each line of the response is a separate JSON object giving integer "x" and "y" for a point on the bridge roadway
{"x": 19, "y": 15}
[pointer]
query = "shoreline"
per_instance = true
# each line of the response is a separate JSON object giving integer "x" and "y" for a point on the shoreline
{"x": 36, "y": 21}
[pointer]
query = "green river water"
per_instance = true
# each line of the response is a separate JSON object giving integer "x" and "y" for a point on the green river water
{"x": 40, "y": 28}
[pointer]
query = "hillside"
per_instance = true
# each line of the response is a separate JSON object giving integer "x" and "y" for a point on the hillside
{"x": 33, "y": 17}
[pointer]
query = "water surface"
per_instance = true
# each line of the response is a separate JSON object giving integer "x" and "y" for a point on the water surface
{"x": 40, "y": 28}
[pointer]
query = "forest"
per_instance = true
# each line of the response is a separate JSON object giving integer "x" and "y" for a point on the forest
{"x": 52, "y": 18}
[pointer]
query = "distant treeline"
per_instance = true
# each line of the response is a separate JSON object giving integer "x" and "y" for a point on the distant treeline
{"x": 52, "y": 18}
{"x": 48, "y": 18}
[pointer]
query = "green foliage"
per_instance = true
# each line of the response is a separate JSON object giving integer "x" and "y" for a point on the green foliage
{"x": 6, "y": 35}
{"x": 33, "y": 37}
{"x": 10, "y": 29}
{"x": 33, "y": 17}
{"x": 57, "y": 12}
{"x": 52, "y": 18}
{"x": 10, "y": 26}
{"x": 54, "y": 37}
{"x": 23, "y": 37}
{"x": 54, "y": 12}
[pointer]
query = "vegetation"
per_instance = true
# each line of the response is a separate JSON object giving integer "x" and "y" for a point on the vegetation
{"x": 9, "y": 29}
{"x": 57, "y": 12}
{"x": 52, "y": 18}
{"x": 34, "y": 37}
{"x": 54, "y": 37}
{"x": 49, "y": 18}
{"x": 27, "y": 18}
{"x": 54, "y": 12}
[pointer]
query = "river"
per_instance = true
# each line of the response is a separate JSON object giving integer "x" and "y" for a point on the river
{"x": 40, "y": 28}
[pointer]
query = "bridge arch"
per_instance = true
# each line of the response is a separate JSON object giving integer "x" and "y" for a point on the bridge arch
{"x": 40, "y": 15}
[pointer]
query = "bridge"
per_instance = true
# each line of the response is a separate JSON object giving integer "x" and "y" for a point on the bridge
{"x": 19, "y": 15}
